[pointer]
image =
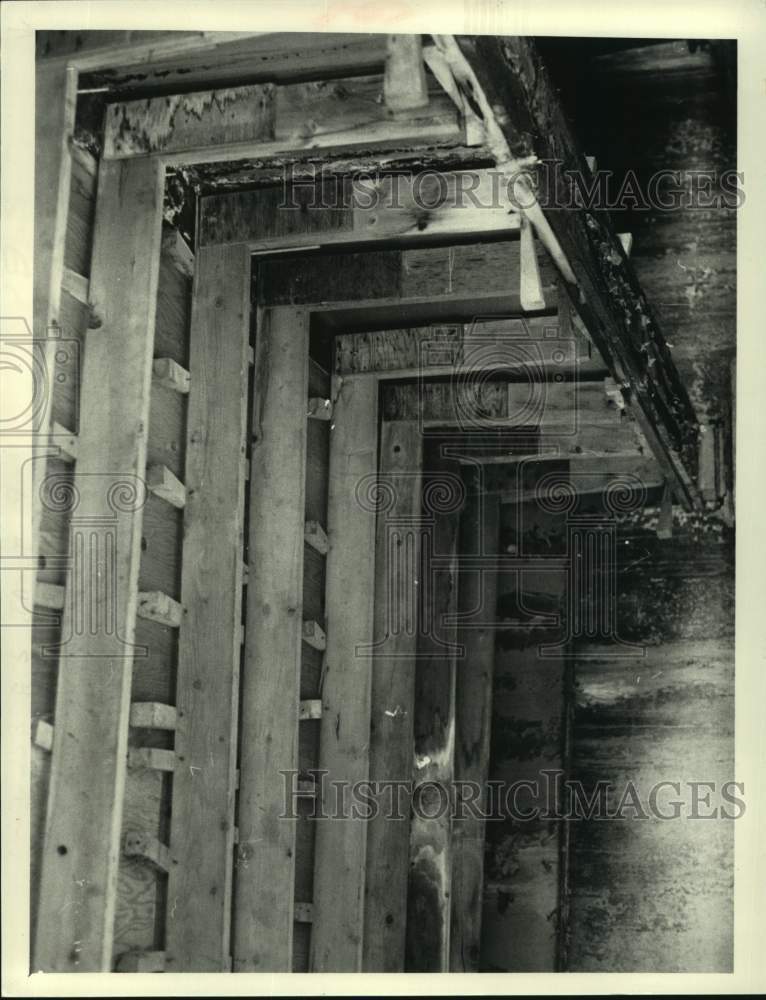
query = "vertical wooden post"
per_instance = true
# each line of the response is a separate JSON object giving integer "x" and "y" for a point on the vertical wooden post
{"x": 430, "y": 875}
{"x": 82, "y": 839}
{"x": 265, "y": 872}
{"x": 479, "y": 536}
{"x": 55, "y": 100}
{"x": 209, "y": 645}
{"x": 397, "y": 588}
{"x": 344, "y": 745}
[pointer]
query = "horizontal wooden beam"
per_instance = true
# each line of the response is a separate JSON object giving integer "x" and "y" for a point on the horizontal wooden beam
{"x": 152, "y": 758}
{"x": 396, "y": 208}
{"x": 159, "y": 607}
{"x": 313, "y": 635}
{"x": 266, "y": 118}
{"x": 319, "y": 409}
{"x": 163, "y": 484}
{"x": 152, "y": 715}
{"x": 310, "y": 709}
{"x": 76, "y": 285}
{"x": 65, "y": 441}
{"x": 170, "y": 374}
{"x": 141, "y": 961}
{"x": 315, "y": 536}
{"x": 146, "y": 847}
{"x": 528, "y": 124}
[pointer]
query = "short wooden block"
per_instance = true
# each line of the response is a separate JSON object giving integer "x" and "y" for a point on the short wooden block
{"x": 152, "y": 758}
{"x": 65, "y": 441}
{"x": 164, "y": 484}
{"x": 319, "y": 408}
{"x": 314, "y": 635}
{"x": 49, "y": 595}
{"x": 315, "y": 536}
{"x": 614, "y": 393}
{"x": 530, "y": 285}
{"x": 177, "y": 250}
{"x": 303, "y": 913}
{"x": 76, "y": 285}
{"x": 170, "y": 374}
{"x": 139, "y": 844}
{"x": 152, "y": 715}
{"x": 42, "y": 734}
{"x": 158, "y": 607}
{"x": 311, "y": 709}
{"x": 141, "y": 961}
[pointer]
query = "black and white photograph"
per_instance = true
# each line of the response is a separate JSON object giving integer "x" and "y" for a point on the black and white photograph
{"x": 383, "y": 562}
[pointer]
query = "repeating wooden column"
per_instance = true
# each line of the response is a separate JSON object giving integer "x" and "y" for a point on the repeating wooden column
{"x": 265, "y": 872}
{"x": 430, "y": 874}
{"x": 477, "y": 596}
{"x": 82, "y": 838}
{"x": 397, "y": 558}
{"x": 344, "y": 748}
{"x": 202, "y": 817}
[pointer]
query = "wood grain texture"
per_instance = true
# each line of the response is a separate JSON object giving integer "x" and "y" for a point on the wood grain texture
{"x": 202, "y": 828}
{"x": 430, "y": 847}
{"x": 397, "y": 561}
{"x": 477, "y": 600}
{"x": 341, "y": 845}
{"x": 265, "y": 872}
{"x": 93, "y": 698}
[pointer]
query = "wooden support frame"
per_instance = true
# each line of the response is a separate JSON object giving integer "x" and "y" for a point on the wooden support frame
{"x": 202, "y": 828}
{"x": 344, "y": 749}
{"x": 84, "y": 813}
{"x": 271, "y": 683}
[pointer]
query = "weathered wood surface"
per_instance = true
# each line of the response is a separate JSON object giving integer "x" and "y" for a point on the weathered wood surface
{"x": 397, "y": 564}
{"x": 477, "y": 601}
{"x": 202, "y": 830}
{"x": 264, "y": 119}
{"x": 344, "y": 740}
{"x": 623, "y": 326}
{"x": 430, "y": 849}
{"x": 80, "y": 857}
{"x": 404, "y": 80}
{"x": 265, "y": 870}
{"x": 394, "y": 207}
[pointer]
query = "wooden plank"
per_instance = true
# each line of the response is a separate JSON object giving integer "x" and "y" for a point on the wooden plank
{"x": 81, "y": 852}
{"x": 319, "y": 408}
{"x": 479, "y": 535}
{"x": 165, "y": 485}
{"x": 404, "y": 81}
{"x": 177, "y": 251}
{"x": 141, "y": 961}
{"x": 314, "y": 635}
{"x": 394, "y": 208}
{"x": 315, "y": 536}
{"x": 159, "y": 607}
{"x": 152, "y": 715}
{"x": 310, "y": 708}
{"x": 170, "y": 374}
{"x": 430, "y": 848}
{"x": 341, "y": 845}
{"x": 264, "y": 119}
{"x": 201, "y": 835}
{"x": 530, "y": 288}
{"x": 271, "y": 683}
{"x": 393, "y": 692}
{"x": 76, "y": 285}
{"x": 139, "y": 844}
{"x": 65, "y": 441}
{"x": 153, "y": 758}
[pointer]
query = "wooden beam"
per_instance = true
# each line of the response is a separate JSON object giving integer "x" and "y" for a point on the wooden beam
{"x": 430, "y": 847}
{"x": 152, "y": 758}
{"x": 264, "y": 119}
{"x": 81, "y": 851}
{"x": 158, "y": 607}
{"x": 528, "y": 122}
{"x": 264, "y": 889}
{"x": 76, "y": 285}
{"x": 153, "y": 715}
{"x": 143, "y": 845}
{"x": 397, "y": 564}
{"x": 393, "y": 209}
{"x": 201, "y": 834}
{"x": 531, "y": 290}
{"x": 477, "y": 592}
{"x": 344, "y": 741}
{"x": 404, "y": 81}
{"x": 162, "y": 483}
{"x": 310, "y": 708}
{"x": 170, "y": 374}
{"x": 314, "y": 635}
{"x": 177, "y": 250}
{"x": 319, "y": 409}
{"x": 65, "y": 441}
{"x": 314, "y": 535}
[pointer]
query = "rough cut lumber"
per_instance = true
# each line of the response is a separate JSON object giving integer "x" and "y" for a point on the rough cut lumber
{"x": 397, "y": 561}
{"x": 141, "y": 961}
{"x": 82, "y": 849}
{"x": 264, "y": 119}
{"x": 201, "y": 834}
{"x": 315, "y": 536}
{"x": 320, "y": 409}
{"x": 310, "y": 709}
{"x": 529, "y": 121}
{"x": 391, "y": 208}
{"x": 76, "y": 285}
{"x": 50, "y": 595}
{"x": 477, "y": 592}
{"x": 152, "y": 758}
{"x": 430, "y": 847}
{"x": 65, "y": 441}
{"x": 304, "y": 913}
{"x": 314, "y": 635}
{"x": 159, "y": 607}
{"x": 169, "y": 373}
{"x": 152, "y": 715}
{"x": 340, "y": 848}
{"x": 530, "y": 286}
{"x": 139, "y": 844}
{"x": 264, "y": 888}
{"x": 164, "y": 484}
{"x": 177, "y": 251}
{"x": 42, "y": 734}
{"x": 404, "y": 81}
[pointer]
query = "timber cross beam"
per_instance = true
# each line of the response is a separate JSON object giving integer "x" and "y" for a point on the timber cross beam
{"x": 507, "y": 80}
